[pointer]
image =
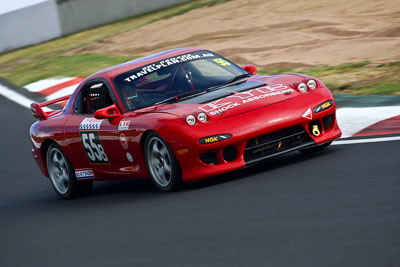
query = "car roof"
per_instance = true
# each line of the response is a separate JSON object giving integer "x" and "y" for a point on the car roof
{"x": 113, "y": 71}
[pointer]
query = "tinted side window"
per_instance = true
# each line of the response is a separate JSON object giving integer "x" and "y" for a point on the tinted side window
{"x": 93, "y": 96}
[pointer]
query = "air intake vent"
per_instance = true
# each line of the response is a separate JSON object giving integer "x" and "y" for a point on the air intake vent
{"x": 276, "y": 143}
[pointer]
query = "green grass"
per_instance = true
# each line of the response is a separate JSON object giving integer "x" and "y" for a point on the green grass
{"x": 325, "y": 70}
{"x": 353, "y": 78}
{"x": 48, "y": 59}
{"x": 77, "y": 65}
{"x": 379, "y": 88}
{"x": 320, "y": 70}
{"x": 273, "y": 71}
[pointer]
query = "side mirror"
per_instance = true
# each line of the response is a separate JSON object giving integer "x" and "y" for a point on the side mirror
{"x": 111, "y": 112}
{"x": 250, "y": 69}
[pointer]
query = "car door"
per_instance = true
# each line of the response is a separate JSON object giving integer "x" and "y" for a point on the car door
{"x": 96, "y": 143}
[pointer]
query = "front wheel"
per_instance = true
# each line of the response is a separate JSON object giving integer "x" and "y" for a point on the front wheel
{"x": 161, "y": 163}
{"x": 62, "y": 174}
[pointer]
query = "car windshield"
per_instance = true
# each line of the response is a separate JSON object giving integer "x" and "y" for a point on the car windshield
{"x": 180, "y": 75}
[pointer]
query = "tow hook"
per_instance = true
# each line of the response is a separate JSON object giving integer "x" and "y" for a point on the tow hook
{"x": 315, "y": 129}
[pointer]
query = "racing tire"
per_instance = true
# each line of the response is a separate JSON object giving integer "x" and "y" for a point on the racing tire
{"x": 315, "y": 148}
{"x": 165, "y": 172}
{"x": 62, "y": 175}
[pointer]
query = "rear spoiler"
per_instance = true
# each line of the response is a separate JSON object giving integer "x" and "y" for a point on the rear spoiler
{"x": 37, "y": 111}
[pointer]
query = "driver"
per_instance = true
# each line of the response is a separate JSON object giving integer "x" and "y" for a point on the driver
{"x": 130, "y": 94}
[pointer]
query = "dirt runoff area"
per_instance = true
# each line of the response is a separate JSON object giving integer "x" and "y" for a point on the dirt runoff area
{"x": 273, "y": 33}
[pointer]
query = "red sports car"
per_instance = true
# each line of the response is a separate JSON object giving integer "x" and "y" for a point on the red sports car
{"x": 178, "y": 116}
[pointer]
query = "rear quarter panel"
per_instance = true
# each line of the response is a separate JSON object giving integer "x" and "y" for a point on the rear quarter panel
{"x": 44, "y": 132}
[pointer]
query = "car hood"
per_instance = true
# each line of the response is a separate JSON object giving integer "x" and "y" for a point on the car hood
{"x": 250, "y": 94}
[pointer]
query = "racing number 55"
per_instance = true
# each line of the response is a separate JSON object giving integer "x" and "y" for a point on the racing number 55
{"x": 93, "y": 148}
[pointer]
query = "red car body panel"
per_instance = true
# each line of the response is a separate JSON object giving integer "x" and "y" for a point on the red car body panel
{"x": 274, "y": 106}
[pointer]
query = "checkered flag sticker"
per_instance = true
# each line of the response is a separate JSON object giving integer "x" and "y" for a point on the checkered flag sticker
{"x": 90, "y": 124}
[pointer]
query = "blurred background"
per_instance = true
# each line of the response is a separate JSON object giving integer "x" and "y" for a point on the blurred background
{"x": 334, "y": 208}
{"x": 352, "y": 46}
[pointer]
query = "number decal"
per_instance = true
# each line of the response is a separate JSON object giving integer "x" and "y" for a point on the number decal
{"x": 87, "y": 147}
{"x": 93, "y": 148}
{"x": 222, "y": 62}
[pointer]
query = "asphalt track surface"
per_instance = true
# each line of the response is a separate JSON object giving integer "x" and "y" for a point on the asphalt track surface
{"x": 339, "y": 207}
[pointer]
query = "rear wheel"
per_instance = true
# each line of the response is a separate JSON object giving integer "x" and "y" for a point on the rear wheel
{"x": 161, "y": 163}
{"x": 62, "y": 174}
{"x": 315, "y": 148}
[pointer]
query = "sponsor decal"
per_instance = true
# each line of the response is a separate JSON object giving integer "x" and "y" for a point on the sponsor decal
{"x": 123, "y": 125}
{"x": 239, "y": 98}
{"x": 129, "y": 157}
{"x": 214, "y": 139}
{"x": 124, "y": 141}
{"x": 326, "y": 105}
{"x": 90, "y": 124}
{"x": 308, "y": 114}
{"x": 224, "y": 108}
{"x": 323, "y": 106}
{"x": 93, "y": 148}
{"x": 222, "y": 62}
{"x": 84, "y": 173}
{"x": 167, "y": 62}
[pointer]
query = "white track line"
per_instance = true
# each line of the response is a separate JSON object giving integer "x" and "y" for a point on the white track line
{"x": 46, "y": 83}
{"x": 14, "y": 96}
{"x": 353, "y": 120}
{"x": 17, "y": 98}
{"x": 62, "y": 92}
{"x": 366, "y": 140}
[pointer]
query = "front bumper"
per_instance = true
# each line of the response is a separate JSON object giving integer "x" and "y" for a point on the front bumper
{"x": 256, "y": 135}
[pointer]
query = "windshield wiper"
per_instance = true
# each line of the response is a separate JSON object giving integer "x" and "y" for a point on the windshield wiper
{"x": 236, "y": 78}
{"x": 229, "y": 82}
{"x": 182, "y": 96}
